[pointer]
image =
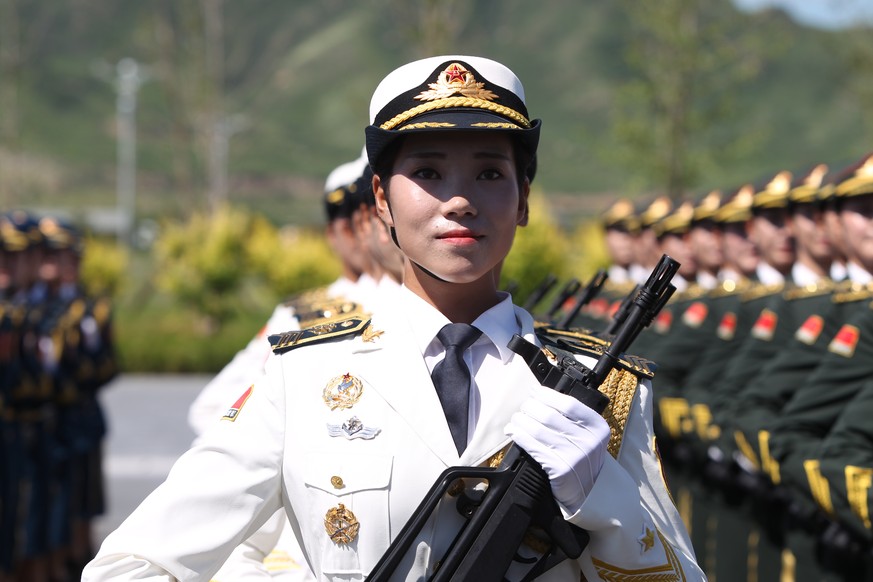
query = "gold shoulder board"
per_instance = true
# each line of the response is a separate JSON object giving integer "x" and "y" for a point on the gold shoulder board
{"x": 760, "y": 290}
{"x": 853, "y": 292}
{"x": 822, "y": 287}
{"x": 306, "y": 298}
{"x": 730, "y": 287}
{"x": 326, "y": 311}
{"x": 289, "y": 340}
{"x": 578, "y": 342}
{"x": 694, "y": 291}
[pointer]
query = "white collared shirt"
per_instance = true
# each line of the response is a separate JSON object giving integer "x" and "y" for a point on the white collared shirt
{"x": 768, "y": 275}
{"x": 707, "y": 280}
{"x": 803, "y": 275}
{"x": 486, "y": 358}
{"x": 618, "y": 274}
{"x": 858, "y": 274}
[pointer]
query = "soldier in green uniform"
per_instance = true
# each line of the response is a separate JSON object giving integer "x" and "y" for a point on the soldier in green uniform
{"x": 620, "y": 227}
{"x": 795, "y": 436}
{"x": 845, "y": 461}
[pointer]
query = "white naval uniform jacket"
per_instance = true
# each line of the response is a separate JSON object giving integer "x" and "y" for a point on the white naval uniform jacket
{"x": 279, "y": 451}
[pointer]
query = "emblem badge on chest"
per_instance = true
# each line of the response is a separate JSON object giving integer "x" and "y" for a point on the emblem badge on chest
{"x": 342, "y": 392}
{"x": 353, "y": 428}
{"x": 341, "y": 525}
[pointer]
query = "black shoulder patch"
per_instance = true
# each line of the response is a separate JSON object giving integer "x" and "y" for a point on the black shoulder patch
{"x": 579, "y": 342}
{"x": 348, "y": 327}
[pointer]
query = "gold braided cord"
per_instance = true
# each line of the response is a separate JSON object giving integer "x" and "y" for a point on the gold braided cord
{"x": 457, "y": 102}
{"x": 494, "y": 125}
{"x": 620, "y": 386}
{"x": 426, "y": 125}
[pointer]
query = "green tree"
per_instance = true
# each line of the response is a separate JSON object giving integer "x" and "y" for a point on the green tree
{"x": 687, "y": 61}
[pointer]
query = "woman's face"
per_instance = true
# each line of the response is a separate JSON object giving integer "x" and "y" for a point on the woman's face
{"x": 454, "y": 200}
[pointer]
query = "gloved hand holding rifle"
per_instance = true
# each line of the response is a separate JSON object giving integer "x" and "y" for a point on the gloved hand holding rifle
{"x": 560, "y": 444}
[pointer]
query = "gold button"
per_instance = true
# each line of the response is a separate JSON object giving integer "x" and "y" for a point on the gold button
{"x": 337, "y": 482}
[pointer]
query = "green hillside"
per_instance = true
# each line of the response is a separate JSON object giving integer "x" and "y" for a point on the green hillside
{"x": 296, "y": 76}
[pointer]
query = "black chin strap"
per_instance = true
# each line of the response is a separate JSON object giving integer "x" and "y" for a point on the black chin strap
{"x": 393, "y": 232}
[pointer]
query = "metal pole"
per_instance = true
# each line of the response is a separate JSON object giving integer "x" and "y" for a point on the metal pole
{"x": 129, "y": 78}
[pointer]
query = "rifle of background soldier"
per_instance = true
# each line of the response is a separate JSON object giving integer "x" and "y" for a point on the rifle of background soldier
{"x": 518, "y": 496}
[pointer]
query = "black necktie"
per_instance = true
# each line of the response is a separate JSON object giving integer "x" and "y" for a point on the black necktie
{"x": 451, "y": 377}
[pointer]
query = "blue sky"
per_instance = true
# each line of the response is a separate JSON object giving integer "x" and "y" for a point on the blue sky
{"x": 818, "y": 13}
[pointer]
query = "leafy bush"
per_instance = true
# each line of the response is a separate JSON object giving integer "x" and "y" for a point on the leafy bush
{"x": 203, "y": 262}
{"x": 292, "y": 259}
{"x": 103, "y": 268}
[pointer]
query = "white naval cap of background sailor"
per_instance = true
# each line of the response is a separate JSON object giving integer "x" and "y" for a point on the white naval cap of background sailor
{"x": 452, "y": 92}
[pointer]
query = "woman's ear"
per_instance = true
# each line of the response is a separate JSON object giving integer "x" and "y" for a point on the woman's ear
{"x": 383, "y": 209}
{"x": 523, "y": 206}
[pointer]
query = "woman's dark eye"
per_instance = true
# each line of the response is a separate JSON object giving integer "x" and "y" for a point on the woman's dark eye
{"x": 490, "y": 175}
{"x": 426, "y": 174}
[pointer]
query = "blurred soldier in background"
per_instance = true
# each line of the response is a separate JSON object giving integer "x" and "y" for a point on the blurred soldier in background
{"x": 272, "y": 552}
{"x": 55, "y": 353}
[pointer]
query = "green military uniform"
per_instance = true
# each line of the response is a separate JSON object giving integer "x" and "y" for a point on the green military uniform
{"x": 846, "y": 462}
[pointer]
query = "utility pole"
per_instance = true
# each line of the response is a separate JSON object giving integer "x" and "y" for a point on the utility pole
{"x": 129, "y": 76}
{"x": 219, "y": 148}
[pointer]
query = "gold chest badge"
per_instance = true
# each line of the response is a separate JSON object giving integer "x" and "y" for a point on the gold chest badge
{"x": 342, "y": 392}
{"x": 341, "y": 525}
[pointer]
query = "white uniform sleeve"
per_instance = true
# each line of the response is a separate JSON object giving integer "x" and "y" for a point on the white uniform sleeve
{"x": 216, "y": 496}
{"x": 634, "y": 525}
{"x": 214, "y": 399}
{"x": 246, "y": 562}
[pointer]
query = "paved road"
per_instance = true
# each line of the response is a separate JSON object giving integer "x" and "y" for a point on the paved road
{"x": 148, "y": 430}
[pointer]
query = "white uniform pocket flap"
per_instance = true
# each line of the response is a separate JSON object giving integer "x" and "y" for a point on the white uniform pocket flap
{"x": 344, "y": 474}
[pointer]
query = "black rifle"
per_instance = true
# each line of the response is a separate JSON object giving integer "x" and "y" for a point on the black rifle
{"x": 539, "y": 292}
{"x": 568, "y": 290}
{"x": 518, "y": 497}
{"x": 588, "y": 293}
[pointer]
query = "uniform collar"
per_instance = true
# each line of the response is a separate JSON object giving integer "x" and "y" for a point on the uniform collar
{"x": 707, "y": 280}
{"x": 768, "y": 275}
{"x": 618, "y": 274}
{"x": 858, "y": 274}
{"x": 802, "y": 275}
{"x": 498, "y": 324}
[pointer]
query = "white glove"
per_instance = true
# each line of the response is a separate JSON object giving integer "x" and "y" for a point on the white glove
{"x": 564, "y": 436}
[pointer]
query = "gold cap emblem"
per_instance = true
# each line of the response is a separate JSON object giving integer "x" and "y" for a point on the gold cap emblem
{"x": 341, "y": 525}
{"x": 456, "y": 80}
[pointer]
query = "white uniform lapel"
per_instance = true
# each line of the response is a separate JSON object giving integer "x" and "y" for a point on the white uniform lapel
{"x": 396, "y": 370}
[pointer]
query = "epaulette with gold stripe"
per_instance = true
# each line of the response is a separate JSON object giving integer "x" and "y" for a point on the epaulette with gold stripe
{"x": 305, "y": 299}
{"x": 324, "y": 332}
{"x": 759, "y": 290}
{"x": 851, "y": 292}
{"x": 822, "y": 287}
{"x": 583, "y": 343}
{"x": 730, "y": 287}
{"x": 327, "y": 311}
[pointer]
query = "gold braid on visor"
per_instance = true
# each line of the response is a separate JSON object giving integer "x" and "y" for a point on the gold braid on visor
{"x": 457, "y": 102}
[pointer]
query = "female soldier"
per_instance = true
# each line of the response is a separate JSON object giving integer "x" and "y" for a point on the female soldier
{"x": 355, "y": 419}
